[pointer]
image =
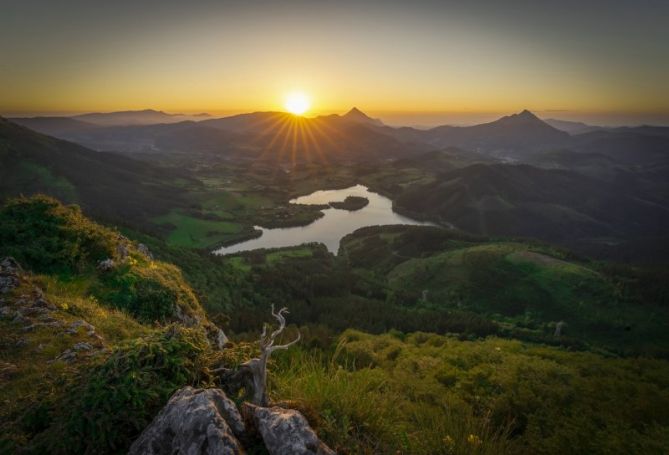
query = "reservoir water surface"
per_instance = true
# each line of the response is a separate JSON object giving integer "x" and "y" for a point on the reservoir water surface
{"x": 330, "y": 228}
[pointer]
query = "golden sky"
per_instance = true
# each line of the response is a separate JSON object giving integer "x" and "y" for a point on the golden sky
{"x": 393, "y": 57}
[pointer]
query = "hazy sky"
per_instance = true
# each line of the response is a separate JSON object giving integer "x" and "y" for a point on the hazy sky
{"x": 423, "y": 58}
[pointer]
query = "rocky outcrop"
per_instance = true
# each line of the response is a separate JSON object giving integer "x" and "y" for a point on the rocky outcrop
{"x": 70, "y": 354}
{"x": 9, "y": 274}
{"x": 122, "y": 251}
{"x": 143, "y": 249}
{"x": 106, "y": 265}
{"x": 285, "y": 431}
{"x": 206, "y": 421}
{"x": 194, "y": 421}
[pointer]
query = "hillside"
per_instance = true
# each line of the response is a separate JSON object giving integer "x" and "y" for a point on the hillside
{"x": 489, "y": 396}
{"x": 352, "y": 137}
{"x": 558, "y": 206}
{"x": 110, "y": 342}
{"x": 527, "y": 288}
{"x": 107, "y": 185}
{"x": 88, "y": 317}
{"x": 271, "y": 136}
{"x": 143, "y": 117}
{"x": 514, "y": 135}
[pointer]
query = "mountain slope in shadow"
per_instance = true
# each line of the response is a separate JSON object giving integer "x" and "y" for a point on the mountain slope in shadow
{"x": 108, "y": 185}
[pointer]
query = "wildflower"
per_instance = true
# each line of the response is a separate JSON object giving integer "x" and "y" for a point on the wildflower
{"x": 448, "y": 441}
{"x": 474, "y": 440}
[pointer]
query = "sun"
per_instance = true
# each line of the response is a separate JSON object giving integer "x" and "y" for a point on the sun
{"x": 297, "y": 103}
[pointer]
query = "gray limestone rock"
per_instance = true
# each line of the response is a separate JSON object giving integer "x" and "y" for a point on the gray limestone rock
{"x": 194, "y": 421}
{"x": 285, "y": 431}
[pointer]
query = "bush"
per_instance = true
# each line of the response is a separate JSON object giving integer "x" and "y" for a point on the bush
{"x": 110, "y": 405}
{"x": 48, "y": 237}
{"x": 155, "y": 292}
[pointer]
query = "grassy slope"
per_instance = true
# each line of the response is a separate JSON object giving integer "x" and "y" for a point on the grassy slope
{"x": 491, "y": 396}
{"x": 100, "y": 400}
{"x": 528, "y": 287}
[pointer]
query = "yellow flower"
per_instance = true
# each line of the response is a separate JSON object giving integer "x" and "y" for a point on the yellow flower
{"x": 474, "y": 440}
{"x": 448, "y": 441}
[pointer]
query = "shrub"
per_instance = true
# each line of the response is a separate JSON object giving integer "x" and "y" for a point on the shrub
{"x": 155, "y": 292}
{"x": 107, "y": 408}
{"x": 48, "y": 237}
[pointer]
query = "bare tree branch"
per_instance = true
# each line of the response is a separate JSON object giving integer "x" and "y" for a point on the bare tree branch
{"x": 287, "y": 345}
{"x": 257, "y": 368}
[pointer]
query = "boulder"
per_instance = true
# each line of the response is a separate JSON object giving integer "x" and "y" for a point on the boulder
{"x": 9, "y": 274}
{"x": 122, "y": 251}
{"x": 144, "y": 250}
{"x": 193, "y": 422}
{"x": 285, "y": 431}
{"x": 9, "y": 264}
{"x": 106, "y": 265}
{"x": 74, "y": 328}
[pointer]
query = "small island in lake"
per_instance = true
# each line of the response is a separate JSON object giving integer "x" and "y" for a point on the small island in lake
{"x": 351, "y": 203}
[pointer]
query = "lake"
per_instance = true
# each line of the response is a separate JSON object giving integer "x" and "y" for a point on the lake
{"x": 330, "y": 228}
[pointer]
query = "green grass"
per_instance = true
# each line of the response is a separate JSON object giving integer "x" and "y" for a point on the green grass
{"x": 238, "y": 263}
{"x": 428, "y": 394}
{"x": 510, "y": 282}
{"x": 278, "y": 256}
{"x": 191, "y": 232}
{"x": 525, "y": 287}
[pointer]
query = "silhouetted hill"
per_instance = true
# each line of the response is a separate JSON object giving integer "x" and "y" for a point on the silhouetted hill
{"x": 443, "y": 160}
{"x": 625, "y": 146}
{"x": 107, "y": 185}
{"x": 571, "y": 127}
{"x": 279, "y": 136}
{"x": 285, "y": 137}
{"x": 54, "y": 126}
{"x": 187, "y": 137}
{"x": 553, "y": 205}
{"x": 356, "y": 115}
{"x": 143, "y": 117}
{"x": 511, "y": 136}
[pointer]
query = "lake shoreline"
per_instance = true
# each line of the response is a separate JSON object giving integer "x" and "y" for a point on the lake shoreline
{"x": 332, "y": 226}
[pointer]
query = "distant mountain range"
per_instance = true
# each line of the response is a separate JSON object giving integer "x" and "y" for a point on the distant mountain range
{"x": 604, "y": 192}
{"x": 119, "y": 118}
{"x": 571, "y": 127}
{"x": 352, "y": 136}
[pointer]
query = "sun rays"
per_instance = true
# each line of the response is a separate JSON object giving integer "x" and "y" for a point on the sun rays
{"x": 293, "y": 139}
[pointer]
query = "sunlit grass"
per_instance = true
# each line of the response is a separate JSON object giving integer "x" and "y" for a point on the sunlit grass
{"x": 429, "y": 394}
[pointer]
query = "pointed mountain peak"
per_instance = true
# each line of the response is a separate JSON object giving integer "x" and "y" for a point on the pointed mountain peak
{"x": 357, "y": 115}
{"x": 355, "y": 112}
{"x": 526, "y": 115}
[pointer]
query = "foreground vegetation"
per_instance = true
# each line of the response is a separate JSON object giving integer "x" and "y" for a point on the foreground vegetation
{"x": 458, "y": 330}
{"x": 486, "y": 396}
